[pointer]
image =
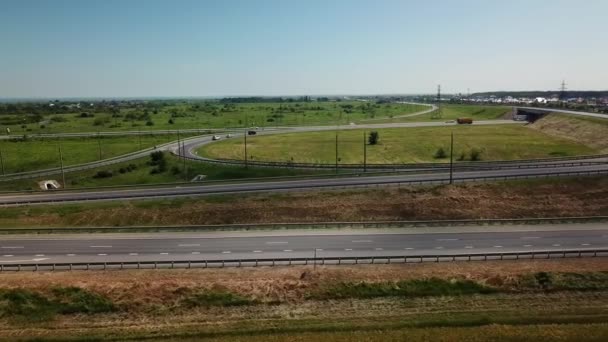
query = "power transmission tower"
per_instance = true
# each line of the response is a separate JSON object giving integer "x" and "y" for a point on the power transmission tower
{"x": 437, "y": 114}
{"x": 562, "y": 91}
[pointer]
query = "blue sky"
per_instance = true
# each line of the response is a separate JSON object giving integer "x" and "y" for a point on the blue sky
{"x": 110, "y": 48}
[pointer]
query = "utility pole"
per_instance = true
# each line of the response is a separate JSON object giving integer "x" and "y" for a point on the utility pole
{"x": 314, "y": 265}
{"x": 2, "y": 161}
{"x": 364, "y": 151}
{"x": 452, "y": 158}
{"x": 437, "y": 114}
{"x": 62, "y": 171}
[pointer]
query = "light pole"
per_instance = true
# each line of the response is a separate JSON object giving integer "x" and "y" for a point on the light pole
{"x": 2, "y": 161}
{"x": 61, "y": 164}
{"x": 364, "y": 152}
{"x": 245, "y": 132}
{"x": 336, "y": 151}
{"x": 452, "y": 158}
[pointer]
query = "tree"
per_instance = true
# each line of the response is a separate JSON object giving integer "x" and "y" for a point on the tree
{"x": 373, "y": 138}
{"x": 171, "y": 122}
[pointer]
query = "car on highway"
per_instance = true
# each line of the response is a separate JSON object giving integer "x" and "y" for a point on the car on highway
{"x": 252, "y": 132}
{"x": 228, "y": 136}
{"x": 216, "y": 137}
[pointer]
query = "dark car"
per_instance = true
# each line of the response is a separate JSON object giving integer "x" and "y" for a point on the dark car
{"x": 252, "y": 132}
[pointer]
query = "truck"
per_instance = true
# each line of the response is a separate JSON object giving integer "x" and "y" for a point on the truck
{"x": 463, "y": 121}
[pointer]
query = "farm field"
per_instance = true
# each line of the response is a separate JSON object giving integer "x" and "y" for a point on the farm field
{"x": 400, "y": 145}
{"x": 202, "y": 115}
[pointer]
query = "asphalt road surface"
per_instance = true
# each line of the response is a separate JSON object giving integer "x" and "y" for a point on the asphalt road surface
{"x": 205, "y": 246}
{"x": 290, "y": 185}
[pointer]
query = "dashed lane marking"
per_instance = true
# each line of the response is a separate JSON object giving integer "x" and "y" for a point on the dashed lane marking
{"x": 287, "y": 250}
{"x": 133, "y": 254}
{"x": 361, "y": 241}
{"x": 189, "y": 245}
{"x": 257, "y": 251}
{"x": 102, "y": 254}
{"x": 226, "y": 252}
{"x": 8, "y": 255}
{"x": 164, "y": 253}
{"x": 100, "y": 246}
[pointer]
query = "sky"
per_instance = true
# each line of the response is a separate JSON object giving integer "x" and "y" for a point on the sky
{"x": 146, "y": 48}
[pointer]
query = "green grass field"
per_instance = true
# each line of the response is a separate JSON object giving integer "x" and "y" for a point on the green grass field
{"x": 139, "y": 172}
{"x": 454, "y": 111}
{"x": 20, "y": 155}
{"x": 212, "y": 115}
{"x": 400, "y": 145}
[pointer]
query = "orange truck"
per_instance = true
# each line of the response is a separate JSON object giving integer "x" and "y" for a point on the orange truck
{"x": 463, "y": 121}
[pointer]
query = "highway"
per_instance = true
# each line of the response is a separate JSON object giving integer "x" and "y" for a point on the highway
{"x": 286, "y": 244}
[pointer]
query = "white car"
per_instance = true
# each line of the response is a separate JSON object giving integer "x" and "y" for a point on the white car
{"x": 228, "y": 135}
{"x": 216, "y": 137}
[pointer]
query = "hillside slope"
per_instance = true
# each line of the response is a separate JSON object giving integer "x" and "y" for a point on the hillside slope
{"x": 592, "y": 132}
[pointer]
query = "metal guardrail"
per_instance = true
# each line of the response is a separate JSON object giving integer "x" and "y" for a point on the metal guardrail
{"x": 551, "y": 162}
{"x": 354, "y": 260}
{"x": 306, "y": 225}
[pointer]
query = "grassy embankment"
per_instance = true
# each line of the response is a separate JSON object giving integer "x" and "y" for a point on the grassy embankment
{"x": 212, "y": 115}
{"x": 513, "y": 199}
{"x": 461, "y": 300}
{"x": 402, "y": 145}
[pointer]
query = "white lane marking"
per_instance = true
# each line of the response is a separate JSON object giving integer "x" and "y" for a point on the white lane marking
{"x": 319, "y": 249}
{"x": 196, "y": 252}
{"x": 100, "y": 246}
{"x": 348, "y": 249}
{"x": 189, "y": 245}
{"x": 529, "y": 237}
{"x": 446, "y": 239}
{"x": 409, "y": 248}
{"x": 276, "y": 242}
{"x": 257, "y": 251}
{"x": 36, "y": 259}
{"x": 556, "y": 245}
{"x": 164, "y": 253}
{"x": 133, "y": 254}
{"x": 8, "y": 255}
{"x": 102, "y": 254}
{"x": 379, "y": 249}
{"x": 287, "y": 250}
{"x": 71, "y": 254}
{"x": 39, "y": 255}
{"x": 527, "y": 245}
{"x": 438, "y": 247}
{"x": 497, "y": 246}
{"x": 361, "y": 241}
{"x": 468, "y": 247}
{"x": 585, "y": 244}
{"x": 226, "y": 252}
{"x": 12, "y": 247}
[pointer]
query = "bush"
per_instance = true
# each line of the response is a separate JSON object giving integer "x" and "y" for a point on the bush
{"x": 149, "y": 123}
{"x": 175, "y": 170}
{"x": 207, "y": 299}
{"x": 103, "y": 174}
{"x": 171, "y": 122}
{"x": 475, "y": 154}
{"x": 463, "y": 156}
{"x": 58, "y": 119}
{"x": 407, "y": 288}
{"x": 122, "y": 170}
{"x": 440, "y": 154}
{"x": 373, "y": 138}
